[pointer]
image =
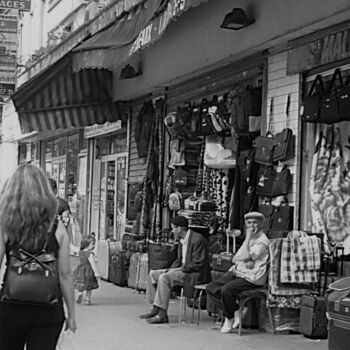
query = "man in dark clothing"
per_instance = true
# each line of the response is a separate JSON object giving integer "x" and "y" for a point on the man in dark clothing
{"x": 191, "y": 267}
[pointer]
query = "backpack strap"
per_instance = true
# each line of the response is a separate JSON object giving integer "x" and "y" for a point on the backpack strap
{"x": 52, "y": 231}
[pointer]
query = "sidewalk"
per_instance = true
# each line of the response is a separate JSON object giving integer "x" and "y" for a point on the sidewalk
{"x": 112, "y": 322}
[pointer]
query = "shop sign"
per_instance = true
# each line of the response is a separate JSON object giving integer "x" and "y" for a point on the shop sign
{"x": 8, "y": 54}
{"x": 21, "y": 5}
{"x": 155, "y": 29}
{"x": 98, "y": 130}
{"x": 330, "y": 48}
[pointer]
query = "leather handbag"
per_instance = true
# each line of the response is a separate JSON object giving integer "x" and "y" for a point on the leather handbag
{"x": 329, "y": 108}
{"x": 32, "y": 278}
{"x": 267, "y": 210}
{"x": 264, "y": 145}
{"x": 311, "y": 105}
{"x": 283, "y": 141}
{"x": 282, "y": 217}
{"x": 180, "y": 177}
{"x": 344, "y": 101}
{"x": 205, "y": 126}
{"x": 161, "y": 255}
{"x": 265, "y": 180}
{"x": 282, "y": 182}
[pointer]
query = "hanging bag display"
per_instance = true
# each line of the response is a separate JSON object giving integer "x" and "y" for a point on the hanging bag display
{"x": 282, "y": 217}
{"x": 265, "y": 180}
{"x": 205, "y": 126}
{"x": 311, "y": 105}
{"x": 264, "y": 144}
{"x": 329, "y": 109}
{"x": 282, "y": 182}
{"x": 267, "y": 209}
{"x": 283, "y": 141}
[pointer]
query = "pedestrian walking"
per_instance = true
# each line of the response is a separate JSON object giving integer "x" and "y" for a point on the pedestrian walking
{"x": 86, "y": 274}
{"x": 29, "y": 315}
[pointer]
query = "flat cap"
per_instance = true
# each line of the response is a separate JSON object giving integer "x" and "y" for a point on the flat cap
{"x": 180, "y": 221}
{"x": 254, "y": 215}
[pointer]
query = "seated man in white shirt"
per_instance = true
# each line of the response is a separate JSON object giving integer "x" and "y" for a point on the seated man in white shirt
{"x": 190, "y": 267}
{"x": 249, "y": 270}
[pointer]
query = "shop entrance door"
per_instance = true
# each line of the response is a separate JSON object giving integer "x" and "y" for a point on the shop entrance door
{"x": 112, "y": 192}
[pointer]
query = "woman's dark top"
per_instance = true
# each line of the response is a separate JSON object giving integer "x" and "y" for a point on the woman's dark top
{"x": 48, "y": 314}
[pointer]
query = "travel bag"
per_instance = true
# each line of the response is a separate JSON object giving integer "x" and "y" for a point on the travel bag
{"x": 313, "y": 320}
{"x": 133, "y": 269}
{"x": 119, "y": 268}
{"x": 161, "y": 255}
{"x": 223, "y": 261}
{"x": 142, "y": 272}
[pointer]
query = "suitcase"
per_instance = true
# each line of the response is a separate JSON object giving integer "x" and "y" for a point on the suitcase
{"x": 119, "y": 268}
{"x": 339, "y": 324}
{"x": 223, "y": 261}
{"x": 313, "y": 320}
{"x": 102, "y": 257}
{"x": 142, "y": 273}
{"x": 133, "y": 269}
{"x": 113, "y": 247}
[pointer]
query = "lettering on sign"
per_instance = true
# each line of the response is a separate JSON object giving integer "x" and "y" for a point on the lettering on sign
{"x": 173, "y": 8}
{"x": 330, "y": 48}
{"x": 23, "y": 5}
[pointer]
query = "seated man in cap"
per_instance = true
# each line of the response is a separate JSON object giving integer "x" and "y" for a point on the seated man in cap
{"x": 190, "y": 267}
{"x": 249, "y": 270}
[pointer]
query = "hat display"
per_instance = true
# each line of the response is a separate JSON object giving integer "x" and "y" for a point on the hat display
{"x": 180, "y": 221}
{"x": 254, "y": 215}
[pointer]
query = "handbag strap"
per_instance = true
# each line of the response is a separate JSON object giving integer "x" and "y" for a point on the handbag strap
{"x": 269, "y": 127}
{"x": 287, "y": 111}
{"x": 318, "y": 80}
{"x": 336, "y": 76}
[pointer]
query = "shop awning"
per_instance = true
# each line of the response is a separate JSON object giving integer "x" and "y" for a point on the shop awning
{"x": 59, "y": 98}
{"x": 138, "y": 29}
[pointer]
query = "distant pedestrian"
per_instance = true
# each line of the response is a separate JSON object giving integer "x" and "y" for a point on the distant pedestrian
{"x": 27, "y": 213}
{"x": 85, "y": 275}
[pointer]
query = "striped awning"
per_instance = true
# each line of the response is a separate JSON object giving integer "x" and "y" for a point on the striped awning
{"x": 59, "y": 98}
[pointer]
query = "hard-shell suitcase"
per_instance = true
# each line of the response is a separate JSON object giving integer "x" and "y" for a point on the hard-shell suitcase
{"x": 142, "y": 274}
{"x": 133, "y": 269}
{"x": 313, "y": 320}
{"x": 223, "y": 261}
{"x": 102, "y": 258}
{"x": 119, "y": 268}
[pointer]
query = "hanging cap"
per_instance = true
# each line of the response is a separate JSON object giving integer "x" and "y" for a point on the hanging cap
{"x": 180, "y": 221}
{"x": 254, "y": 215}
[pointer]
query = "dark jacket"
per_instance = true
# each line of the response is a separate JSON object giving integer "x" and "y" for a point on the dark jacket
{"x": 196, "y": 266}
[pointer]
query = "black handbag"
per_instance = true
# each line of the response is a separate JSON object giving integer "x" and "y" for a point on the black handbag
{"x": 282, "y": 182}
{"x": 344, "y": 101}
{"x": 282, "y": 217}
{"x": 329, "y": 108}
{"x": 265, "y": 180}
{"x": 311, "y": 104}
{"x": 264, "y": 145}
{"x": 283, "y": 141}
{"x": 32, "y": 278}
{"x": 161, "y": 255}
{"x": 267, "y": 210}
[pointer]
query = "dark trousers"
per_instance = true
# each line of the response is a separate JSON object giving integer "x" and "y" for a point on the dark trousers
{"x": 37, "y": 327}
{"x": 223, "y": 292}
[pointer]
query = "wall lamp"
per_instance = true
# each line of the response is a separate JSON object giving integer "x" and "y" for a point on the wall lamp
{"x": 236, "y": 20}
{"x": 129, "y": 72}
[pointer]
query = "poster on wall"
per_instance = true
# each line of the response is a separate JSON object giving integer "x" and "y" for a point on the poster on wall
{"x": 8, "y": 54}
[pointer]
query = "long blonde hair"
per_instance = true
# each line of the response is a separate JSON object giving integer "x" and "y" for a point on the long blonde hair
{"x": 27, "y": 207}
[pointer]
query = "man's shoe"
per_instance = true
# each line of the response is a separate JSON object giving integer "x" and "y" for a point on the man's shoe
{"x": 227, "y": 326}
{"x": 149, "y": 315}
{"x": 158, "y": 320}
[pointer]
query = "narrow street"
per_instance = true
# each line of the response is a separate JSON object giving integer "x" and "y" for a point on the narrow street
{"x": 112, "y": 322}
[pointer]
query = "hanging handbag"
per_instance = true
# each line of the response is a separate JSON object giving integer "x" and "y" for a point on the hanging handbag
{"x": 282, "y": 182}
{"x": 32, "y": 278}
{"x": 283, "y": 141}
{"x": 282, "y": 217}
{"x": 264, "y": 144}
{"x": 265, "y": 180}
{"x": 344, "y": 101}
{"x": 329, "y": 109}
{"x": 180, "y": 177}
{"x": 220, "y": 152}
{"x": 205, "y": 126}
{"x": 267, "y": 210}
{"x": 311, "y": 104}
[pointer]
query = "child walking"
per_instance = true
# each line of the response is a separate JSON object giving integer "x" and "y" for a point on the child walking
{"x": 85, "y": 275}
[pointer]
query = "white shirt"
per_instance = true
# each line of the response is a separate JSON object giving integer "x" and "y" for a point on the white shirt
{"x": 184, "y": 242}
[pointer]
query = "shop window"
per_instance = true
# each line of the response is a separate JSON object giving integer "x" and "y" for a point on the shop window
{"x": 82, "y": 142}
{"x": 59, "y": 147}
{"x": 48, "y": 149}
{"x": 105, "y": 146}
{"x": 22, "y": 153}
{"x": 118, "y": 143}
{"x": 72, "y": 163}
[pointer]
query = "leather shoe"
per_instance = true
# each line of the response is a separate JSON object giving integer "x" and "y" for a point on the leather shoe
{"x": 148, "y": 315}
{"x": 158, "y": 320}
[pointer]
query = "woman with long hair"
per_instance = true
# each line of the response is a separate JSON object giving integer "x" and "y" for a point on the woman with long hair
{"x": 27, "y": 214}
